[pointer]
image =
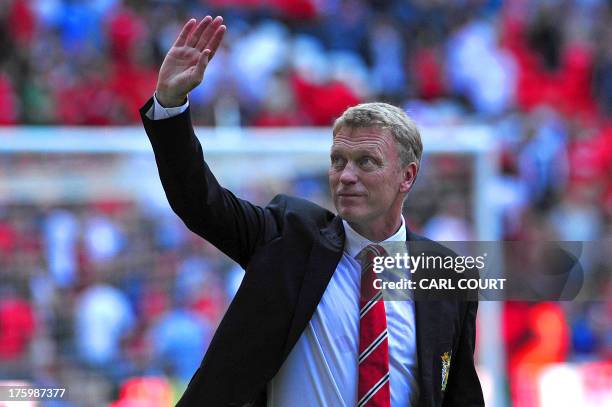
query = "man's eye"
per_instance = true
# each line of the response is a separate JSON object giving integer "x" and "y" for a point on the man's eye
{"x": 337, "y": 161}
{"x": 367, "y": 161}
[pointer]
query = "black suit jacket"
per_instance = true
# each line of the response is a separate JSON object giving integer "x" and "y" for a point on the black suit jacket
{"x": 289, "y": 249}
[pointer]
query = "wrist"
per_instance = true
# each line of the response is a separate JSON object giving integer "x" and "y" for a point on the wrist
{"x": 169, "y": 101}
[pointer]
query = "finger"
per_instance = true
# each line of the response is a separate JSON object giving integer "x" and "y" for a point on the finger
{"x": 215, "y": 41}
{"x": 195, "y": 34}
{"x": 208, "y": 33}
{"x": 202, "y": 63}
{"x": 180, "y": 40}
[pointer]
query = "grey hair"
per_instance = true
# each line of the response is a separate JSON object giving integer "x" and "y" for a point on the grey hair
{"x": 386, "y": 116}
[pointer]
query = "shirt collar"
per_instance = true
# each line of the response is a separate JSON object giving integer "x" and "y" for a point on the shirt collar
{"x": 355, "y": 242}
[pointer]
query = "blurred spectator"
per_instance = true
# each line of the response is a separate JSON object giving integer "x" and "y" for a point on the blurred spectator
{"x": 103, "y": 316}
{"x": 577, "y": 217}
{"x": 344, "y": 24}
{"x": 7, "y": 237}
{"x": 200, "y": 289}
{"x": 474, "y": 46}
{"x": 17, "y": 325}
{"x": 542, "y": 157}
{"x": 388, "y": 61}
{"x": 602, "y": 77}
{"x": 103, "y": 238}
{"x": 144, "y": 391}
{"x": 61, "y": 237}
{"x": 8, "y": 101}
{"x": 279, "y": 107}
{"x": 450, "y": 223}
{"x": 21, "y": 22}
{"x": 179, "y": 339}
{"x": 508, "y": 195}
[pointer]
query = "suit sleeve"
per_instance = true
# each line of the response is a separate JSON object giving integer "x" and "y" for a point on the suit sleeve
{"x": 234, "y": 226}
{"x": 463, "y": 389}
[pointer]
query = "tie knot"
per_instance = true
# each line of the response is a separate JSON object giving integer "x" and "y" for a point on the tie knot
{"x": 367, "y": 255}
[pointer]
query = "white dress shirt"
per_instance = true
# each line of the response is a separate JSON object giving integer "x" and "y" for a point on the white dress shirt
{"x": 158, "y": 112}
{"x": 322, "y": 369}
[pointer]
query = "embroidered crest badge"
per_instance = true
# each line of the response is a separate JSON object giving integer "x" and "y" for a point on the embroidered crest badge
{"x": 446, "y": 361}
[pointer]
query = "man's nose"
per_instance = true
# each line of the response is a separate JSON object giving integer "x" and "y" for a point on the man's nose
{"x": 349, "y": 175}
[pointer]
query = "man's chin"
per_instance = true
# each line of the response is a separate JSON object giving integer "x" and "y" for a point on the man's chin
{"x": 349, "y": 214}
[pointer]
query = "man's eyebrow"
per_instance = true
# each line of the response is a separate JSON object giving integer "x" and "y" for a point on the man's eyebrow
{"x": 335, "y": 149}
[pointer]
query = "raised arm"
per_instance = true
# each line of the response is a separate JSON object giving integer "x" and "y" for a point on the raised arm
{"x": 233, "y": 225}
{"x": 184, "y": 65}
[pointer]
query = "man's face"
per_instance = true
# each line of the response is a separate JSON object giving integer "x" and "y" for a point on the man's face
{"x": 365, "y": 177}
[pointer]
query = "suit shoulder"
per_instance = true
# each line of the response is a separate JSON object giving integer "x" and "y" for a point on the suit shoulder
{"x": 295, "y": 208}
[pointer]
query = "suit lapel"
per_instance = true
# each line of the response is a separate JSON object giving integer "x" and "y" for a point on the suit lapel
{"x": 323, "y": 260}
{"x": 426, "y": 338}
{"x": 427, "y": 315}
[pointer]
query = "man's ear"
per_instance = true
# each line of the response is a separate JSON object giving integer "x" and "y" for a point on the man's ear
{"x": 409, "y": 173}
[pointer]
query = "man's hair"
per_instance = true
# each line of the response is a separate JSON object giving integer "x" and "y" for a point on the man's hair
{"x": 385, "y": 116}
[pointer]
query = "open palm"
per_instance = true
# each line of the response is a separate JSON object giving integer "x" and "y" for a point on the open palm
{"x": 184, "y": 65}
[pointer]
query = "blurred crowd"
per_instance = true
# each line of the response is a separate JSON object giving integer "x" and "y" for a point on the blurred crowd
{"x": 103, "y": 292}
{"x": 540, "y": 71}
{"x": 92, "y": 294}
{"x": 98, "y": 296}
{"x": 301, "y": 62}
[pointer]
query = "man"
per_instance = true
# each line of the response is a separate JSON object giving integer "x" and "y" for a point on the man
{"x": 296, "y": 334}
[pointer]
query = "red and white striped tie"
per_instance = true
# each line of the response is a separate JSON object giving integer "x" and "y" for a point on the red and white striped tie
{"x": 373, "y": 385}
